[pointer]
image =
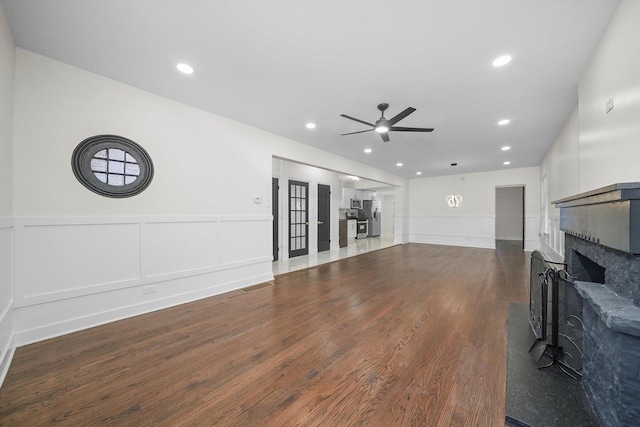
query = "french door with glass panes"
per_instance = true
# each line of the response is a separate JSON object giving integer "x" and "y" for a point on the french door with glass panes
{"x": 298, "y": 218}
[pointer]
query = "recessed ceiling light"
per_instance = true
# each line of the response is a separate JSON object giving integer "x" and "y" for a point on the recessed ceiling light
{"x": 506, "y": 148}
{"x": 506, "y": 163}
{"x": 502, "y": 60}
{"x": 311, "y": 125}
{"x": 418, "y": 173}
{"x": 504, "y": 122}
{"x": 398, "y": 164}
{"x": 185, "y": 68}
{"x": 367, "y": 150}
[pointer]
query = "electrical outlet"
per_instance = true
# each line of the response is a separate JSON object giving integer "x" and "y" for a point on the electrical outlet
{"x": 609, "y": 105}
{"x": 149, "y": 289}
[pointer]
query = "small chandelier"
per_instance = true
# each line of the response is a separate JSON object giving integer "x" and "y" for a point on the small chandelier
{"x": 454, "y": 200}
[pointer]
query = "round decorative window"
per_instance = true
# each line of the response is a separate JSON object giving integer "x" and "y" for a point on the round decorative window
{"x": 112, "y": 166}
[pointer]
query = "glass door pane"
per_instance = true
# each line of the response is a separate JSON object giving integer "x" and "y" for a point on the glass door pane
{"x": 298, "y": 213}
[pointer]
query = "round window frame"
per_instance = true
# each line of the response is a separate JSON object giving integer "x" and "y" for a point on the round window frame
{"x": 87, "y": 149}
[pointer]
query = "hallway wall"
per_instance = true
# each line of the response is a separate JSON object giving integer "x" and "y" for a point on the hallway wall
{"x": 474, "y": 222}
{"x": 194, "y": 232}
{"x": 509, "y": 213}
{"x": 7, "y": 78}
{"x": 597, "y": 148}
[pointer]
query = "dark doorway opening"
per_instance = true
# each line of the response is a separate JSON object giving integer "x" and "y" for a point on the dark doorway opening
{"x": 275, "y": 212}
{"x": 324, "y": 217}
{"x": 510, "y": 215}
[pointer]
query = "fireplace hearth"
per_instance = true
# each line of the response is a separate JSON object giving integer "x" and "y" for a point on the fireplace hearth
{"x": 584, "y": 317}
{"x": 602, "y": 253}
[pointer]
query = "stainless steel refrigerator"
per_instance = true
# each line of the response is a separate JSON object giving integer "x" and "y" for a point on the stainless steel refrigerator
{"x": 372, "y": 210}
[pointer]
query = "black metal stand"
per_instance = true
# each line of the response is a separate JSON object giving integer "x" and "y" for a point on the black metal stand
{"x": 540, "y": 347}
{"x": 555, "y": 351}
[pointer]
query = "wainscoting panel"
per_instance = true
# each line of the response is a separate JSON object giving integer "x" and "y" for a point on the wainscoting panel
{"x": 532, "y": 232}
{"x": 552, "y": 244}
{"x": 75, "y": 273}
{"x": 56, "y": 261}
{"x": 401, "y": 229}
{"x": 6, "y": 295}
{"x": 244, "y": 240}
{"x": 476, "y": 231}
{"x": 174, "y": 247}
{"x": 472, "y": 231}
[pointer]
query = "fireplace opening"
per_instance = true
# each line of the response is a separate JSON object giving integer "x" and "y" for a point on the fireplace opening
{"x": 584, "y": 269}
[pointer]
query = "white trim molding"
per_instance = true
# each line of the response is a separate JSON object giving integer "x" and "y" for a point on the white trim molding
{"x": 477, "y": 231}
{"x": 72, "y": 273}
{"x": 7, "y": 342}
{"x": 552, "y": 242}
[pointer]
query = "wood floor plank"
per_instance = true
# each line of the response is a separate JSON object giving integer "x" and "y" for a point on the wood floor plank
{"x": 412, "y": 335}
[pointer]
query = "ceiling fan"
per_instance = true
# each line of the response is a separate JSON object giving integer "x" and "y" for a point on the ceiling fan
{"x": 383, "y": 126}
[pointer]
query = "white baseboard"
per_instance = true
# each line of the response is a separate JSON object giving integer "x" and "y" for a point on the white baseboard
{"x": 464, "y": 241}
{"x": 63, "y": 327}
{"x": 5, "y": 361}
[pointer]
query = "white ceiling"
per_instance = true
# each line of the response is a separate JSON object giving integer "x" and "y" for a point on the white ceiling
{"x": 278, "y": 64}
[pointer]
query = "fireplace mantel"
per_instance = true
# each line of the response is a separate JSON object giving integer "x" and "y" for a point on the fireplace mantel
{"x": 602, "y": 244}
{"x": 609, "y": 216}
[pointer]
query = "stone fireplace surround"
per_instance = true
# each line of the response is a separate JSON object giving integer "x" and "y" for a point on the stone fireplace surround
{"x": 602, "y": 253}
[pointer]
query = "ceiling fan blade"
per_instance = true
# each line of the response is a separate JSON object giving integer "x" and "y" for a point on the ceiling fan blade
{"x": 353, "y": 133}
{"x": 357, "y": 120}
{"x": 401, "y": 116}
{"x": 385, "y": 136}
{"x": 401, "y": 129}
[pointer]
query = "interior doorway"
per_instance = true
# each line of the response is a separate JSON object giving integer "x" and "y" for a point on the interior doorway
{"x": 510, "y": 214}
{"x": 275, "y": 202}
{"x": 298, "y": 218}
{"x": 324, "y": 217}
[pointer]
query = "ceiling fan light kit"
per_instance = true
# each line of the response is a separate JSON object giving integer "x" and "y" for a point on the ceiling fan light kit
{"x": 383, "y": 126}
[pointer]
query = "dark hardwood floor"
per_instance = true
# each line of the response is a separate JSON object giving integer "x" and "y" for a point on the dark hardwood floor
{"x": 412, "y": 335}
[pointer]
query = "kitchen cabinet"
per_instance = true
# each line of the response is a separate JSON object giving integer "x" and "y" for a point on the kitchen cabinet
{"x": 350, "y": 193}
{"x": 352, "y": 229}
{"x": 342, "y": 233}
{"x": 347, "y": 195}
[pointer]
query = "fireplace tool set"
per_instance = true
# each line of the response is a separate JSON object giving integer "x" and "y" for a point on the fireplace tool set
{"x": 544, "y": 275}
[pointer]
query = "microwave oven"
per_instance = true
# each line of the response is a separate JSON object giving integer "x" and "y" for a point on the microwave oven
{"x": 356, "y": 204}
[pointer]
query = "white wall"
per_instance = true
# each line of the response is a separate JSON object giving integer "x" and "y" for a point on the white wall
{"x": 194, "y": 232}
{"x": 473, "y": 223}
{"x": 386, "y": 225}
{"x": 509, "y": 213}
{"x": 201, "y": 161}
{"x": 7, "y": 61}
{"x": 610, "y": 143}
{"x": 285, "y": 171}
{"x": 561, "y": 170}
{"x": 596, "y": 149}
